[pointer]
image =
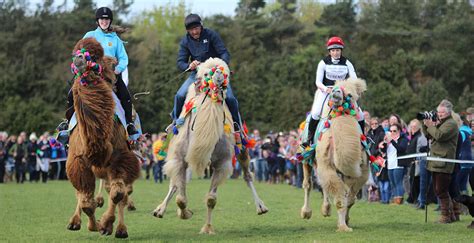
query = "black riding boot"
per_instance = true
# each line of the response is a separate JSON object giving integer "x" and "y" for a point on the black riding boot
{"x": 126, "y": 101}
{"x": 313, "y": 124}
{"x": 362, "y": 126}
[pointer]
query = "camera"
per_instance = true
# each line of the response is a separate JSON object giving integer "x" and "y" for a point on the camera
{"x": 427, "y": 115}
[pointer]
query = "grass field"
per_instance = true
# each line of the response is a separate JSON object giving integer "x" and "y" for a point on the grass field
{"x": 40, "y": 213}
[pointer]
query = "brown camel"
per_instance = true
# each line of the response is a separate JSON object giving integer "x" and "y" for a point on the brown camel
{"x": 98, "y": 144}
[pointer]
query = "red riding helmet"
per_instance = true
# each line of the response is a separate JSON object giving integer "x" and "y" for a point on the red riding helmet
{"x": 335, "y": 42}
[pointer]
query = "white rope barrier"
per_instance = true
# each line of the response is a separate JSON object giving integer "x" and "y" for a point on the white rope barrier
{"x": 435, "y": 158}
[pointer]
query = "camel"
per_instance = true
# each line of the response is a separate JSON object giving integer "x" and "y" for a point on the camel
{"x": 340, "y": 158}
{"x": 98, "y": 144}
{"x": 205, "y": 138}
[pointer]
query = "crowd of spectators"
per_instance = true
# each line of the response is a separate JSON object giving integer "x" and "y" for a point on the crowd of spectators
{"x": 274, "y": 160}
{"x": 39, "y": 158}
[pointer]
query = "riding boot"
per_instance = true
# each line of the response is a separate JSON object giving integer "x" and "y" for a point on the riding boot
{"x": 126, "y": 101}
{"x": 62, "y": 128}
{"x": 313, "y": 124}
{"x": 362, "y": 126}
{"x": 456, "y": 211}
{"x": 445, "y": 217}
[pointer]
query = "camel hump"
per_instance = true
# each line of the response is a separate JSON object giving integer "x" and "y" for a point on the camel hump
{"x": 348, "y": 153}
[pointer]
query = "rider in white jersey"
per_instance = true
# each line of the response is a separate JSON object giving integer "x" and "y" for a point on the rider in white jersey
{"x": 330, "y": 69}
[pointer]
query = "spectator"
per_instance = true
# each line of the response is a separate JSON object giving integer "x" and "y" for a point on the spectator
{"x": 31, "y": 164}
{"x": 386, "y": 124}
{"x": 19, "y": 153}
{"x": 261, "y": 166}
{"x": 443, "y": 135}
{"x": 464, "y": 152}
{"x": 417, "y": 142}
{"x": 3, "y": 154}
{"x": 45, "y": 156}
{"x": 159, "y": 155}
{"x": 395, "y": 145}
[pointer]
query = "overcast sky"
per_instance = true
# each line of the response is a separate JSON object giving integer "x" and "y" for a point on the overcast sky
{"x": 204, "y": 8}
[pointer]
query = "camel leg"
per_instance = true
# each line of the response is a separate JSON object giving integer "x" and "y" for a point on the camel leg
{"x": 98, "y": 197}
{"x": 218, "y": 177}
{"x": 244, "y": 162}
{"x": 130, "y": 203}
{"x": 83, "y": 179}
{"x": 341, "y": 203}
{"x": 211, "y": 200}
{"x": 181, "y": 199}
{"x": 121, "y": 230}
{"x": 117, "y": 194}
{"x": 75, "y": 221}
{"x": 160, "y": 210}
{"x": 306, "y": 211}
{"x": 326, "y": 206}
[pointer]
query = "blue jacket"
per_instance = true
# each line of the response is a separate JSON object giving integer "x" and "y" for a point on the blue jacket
{"x": 208, "y": 45}
{"x": 113, "y": 46}
{"x": 463, "y": 150}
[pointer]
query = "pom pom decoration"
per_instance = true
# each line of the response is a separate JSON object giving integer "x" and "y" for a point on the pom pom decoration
{"x": 90, "y": 67}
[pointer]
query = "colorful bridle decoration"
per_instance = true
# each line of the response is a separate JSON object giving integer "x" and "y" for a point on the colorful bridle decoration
{"x": 90, "y": 66}
{"x": 209, "y": 86}
{"x": 346, "y": 108}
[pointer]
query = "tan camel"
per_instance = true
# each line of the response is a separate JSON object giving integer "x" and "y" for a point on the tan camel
{"x": 340, "y": 160}
{"x": 205, "y": 138}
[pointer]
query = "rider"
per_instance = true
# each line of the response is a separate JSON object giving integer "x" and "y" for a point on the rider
{"x": 113, "y": 47}
{"x": 198, "y": 45}
{"x": 330, "y": 69}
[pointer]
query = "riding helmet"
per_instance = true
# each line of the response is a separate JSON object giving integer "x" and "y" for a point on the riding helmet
{"x": 192, "y": 21}
{"x": 104, "y": 13}
{"x": 335, "y": 42}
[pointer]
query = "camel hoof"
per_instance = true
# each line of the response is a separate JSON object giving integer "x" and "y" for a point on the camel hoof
{"x": 207, "y": 229}
{"x": 344, "y": 229}
{"x": 306, "y": 213}
{"x": 121, "y": 232}
{"x": 184, "y": 213}
{"x": 74, "y": 227}
{"x": 326, "y": 210}
{"x": 100, "y": 201}
{"x": 106, "y": 225}
{"x": 159, "y": 212}
{"x": 261, "y": 209}
{"x": 131, "y": 208}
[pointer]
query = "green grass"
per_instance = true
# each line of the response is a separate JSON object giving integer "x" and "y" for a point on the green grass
{"x": 40, "y": 213}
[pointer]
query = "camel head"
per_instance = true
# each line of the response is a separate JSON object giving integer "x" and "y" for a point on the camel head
{"x": 344, "y": 95}
{"x": 352, "y": 87}
{"x": 212, "y": 78}
{"x": 88, "y": 62}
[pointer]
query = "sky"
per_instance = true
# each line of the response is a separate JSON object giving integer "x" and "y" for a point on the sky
{"x": 205, "y": 8}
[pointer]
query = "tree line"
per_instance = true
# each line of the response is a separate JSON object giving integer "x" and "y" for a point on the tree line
{"x": 411, "y": 53}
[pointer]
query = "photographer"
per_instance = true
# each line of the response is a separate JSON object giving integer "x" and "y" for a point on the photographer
{"x": 442, "y": 131}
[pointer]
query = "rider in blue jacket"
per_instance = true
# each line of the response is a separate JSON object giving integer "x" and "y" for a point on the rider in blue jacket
{"x": 113, "y": 47}
{"x": 196, "y": 47}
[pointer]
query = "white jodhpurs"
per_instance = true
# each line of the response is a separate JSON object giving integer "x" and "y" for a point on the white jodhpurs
{"x": 125, "y": 76}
